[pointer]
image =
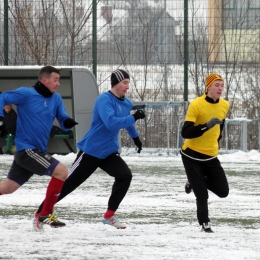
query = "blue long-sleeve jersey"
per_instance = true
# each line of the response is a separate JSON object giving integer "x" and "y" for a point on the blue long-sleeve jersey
{"x": 36, "y": 114}
{"x": 110, "y": 114}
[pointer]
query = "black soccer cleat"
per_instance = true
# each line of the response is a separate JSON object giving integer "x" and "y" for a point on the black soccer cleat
{"x": 187, "y": 187}
{"x": 51, "y": 220}
{"x": 206, "y": 228}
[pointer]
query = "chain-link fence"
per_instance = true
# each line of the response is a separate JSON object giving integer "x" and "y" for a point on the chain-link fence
{"x": 160, "y": 127}
{"x": 167, "y": 46}
{"x": 241, "y": 134}
{"x": 164, "y": 120}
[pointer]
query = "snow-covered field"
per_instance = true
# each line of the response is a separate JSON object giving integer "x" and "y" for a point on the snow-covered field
{"x": 161, "y": 217}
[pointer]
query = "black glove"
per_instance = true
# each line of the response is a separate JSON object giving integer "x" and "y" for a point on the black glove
{"x": 213, "y": 121}
{"x": 139, "y": 114}
{"x": 1, "y": 120}
{"x": 138, "y": 143}
{"x": 69, "y": 123}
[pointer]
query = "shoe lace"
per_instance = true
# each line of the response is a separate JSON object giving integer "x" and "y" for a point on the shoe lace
{"x": 53, "y": 218}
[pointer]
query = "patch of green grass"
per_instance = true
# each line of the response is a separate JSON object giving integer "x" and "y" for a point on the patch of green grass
{"x": 245, "y": 223}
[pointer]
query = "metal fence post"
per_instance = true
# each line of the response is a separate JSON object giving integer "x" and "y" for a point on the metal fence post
{"x": 244, "y": 136}
{"x": 258, "y": 135}
{"x": 226, "y": 132}
{"x": 6, "y": 33}
{"x": 168, "y": 128}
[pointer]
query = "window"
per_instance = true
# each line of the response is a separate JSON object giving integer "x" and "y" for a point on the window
{"x": 253, "y": 4}
{"x": 229, "y": 4}
{"x": 241, "y": 14}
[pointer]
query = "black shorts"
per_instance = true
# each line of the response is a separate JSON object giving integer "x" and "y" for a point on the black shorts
{"x": 31, "y": 161}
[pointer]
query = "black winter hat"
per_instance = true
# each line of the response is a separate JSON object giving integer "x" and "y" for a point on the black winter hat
{"x": 117, "y": 76}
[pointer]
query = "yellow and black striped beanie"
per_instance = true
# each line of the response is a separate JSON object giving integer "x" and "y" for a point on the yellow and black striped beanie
{"x": 211, "y": 78}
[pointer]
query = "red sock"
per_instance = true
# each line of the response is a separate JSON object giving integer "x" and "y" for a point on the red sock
{"x": 52, "y": 194}
{"x": 109, "y": 214}
{"x": 1, "y": 194}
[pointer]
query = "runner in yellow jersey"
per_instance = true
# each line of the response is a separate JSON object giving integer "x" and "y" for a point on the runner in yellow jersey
{"x": 202, "y": 131}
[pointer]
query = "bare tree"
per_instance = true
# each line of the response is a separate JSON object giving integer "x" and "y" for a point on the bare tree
{"x": 221, "y": 44}
{"x": 33, "y": 31}
{"x": 137, "y": 41}
{"x": 78, "y": 30}
{"x": 53, "y": 31}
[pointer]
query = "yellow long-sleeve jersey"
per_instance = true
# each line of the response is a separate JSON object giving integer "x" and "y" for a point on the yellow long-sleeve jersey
{"x": 200, "y": 111}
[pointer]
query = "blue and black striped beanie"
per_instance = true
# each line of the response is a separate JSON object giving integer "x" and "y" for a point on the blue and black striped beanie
{"x": 117, "y": 76}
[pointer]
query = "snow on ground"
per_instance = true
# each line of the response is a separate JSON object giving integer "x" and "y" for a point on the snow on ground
{"x": 160, "y": 216}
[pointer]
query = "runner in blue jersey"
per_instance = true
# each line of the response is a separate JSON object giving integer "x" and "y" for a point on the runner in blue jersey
{"x": 37, "y": 107}
{"x": 99, "y": 147}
